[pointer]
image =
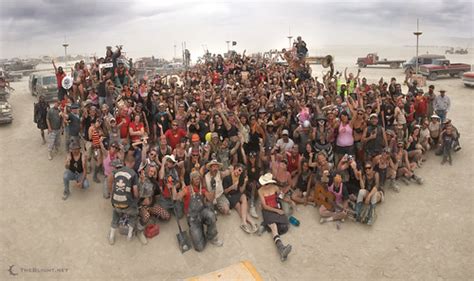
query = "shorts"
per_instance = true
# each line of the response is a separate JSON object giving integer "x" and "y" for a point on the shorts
{"x": 222, "y": 202}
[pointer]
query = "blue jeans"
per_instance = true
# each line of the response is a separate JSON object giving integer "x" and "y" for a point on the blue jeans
{"x": 69, "y": 176}
{"x": 442, "y": 115}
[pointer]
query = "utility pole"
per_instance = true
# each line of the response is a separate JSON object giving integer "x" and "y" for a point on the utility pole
{"x": 227, "y": 45}
{"x": 65, "y": 45}
{"x": 174, "y": 50}
{"x": 289, "y": 37}
{"x": 417, "y": 33}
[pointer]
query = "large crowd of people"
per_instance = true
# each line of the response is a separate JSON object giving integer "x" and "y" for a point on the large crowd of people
{"x": 242, "y": 133}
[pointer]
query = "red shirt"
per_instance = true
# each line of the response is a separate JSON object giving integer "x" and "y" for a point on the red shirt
{"x": 125, "y": 125}
{"x": 187, "y": 196}
{"x": 293, "y": 162}
{"x": 174, "y": 137}
{"x": 421, "y": 106}
{"x": 136, "y": 128}
{"x": 59, "y": 78}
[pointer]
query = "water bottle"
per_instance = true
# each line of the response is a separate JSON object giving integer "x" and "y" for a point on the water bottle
{"x": 294, "y": 221}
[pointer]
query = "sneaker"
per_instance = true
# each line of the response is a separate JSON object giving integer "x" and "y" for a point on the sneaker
{"x": 142, "y": 238}
{"x": 50, "y": 155}
{"x": 418, "y": 179}
{"x": 65, "y": 195}
{"x": 261, "y": 230}
{"x": 253, "y": 212}
{"x": 396, "y": 188}
{"x": 216, "y": 242}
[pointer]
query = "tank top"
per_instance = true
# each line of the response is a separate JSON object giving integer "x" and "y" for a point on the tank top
{"x": 338, "y": 194}
{"x": 292, "y": 162}
{"x": 76, "y": 166}
{"x": 271, "y": 200}
{"x": 95, "y": 138}
{"x": 369, "y": 183}
{"x": 344, "y": 136}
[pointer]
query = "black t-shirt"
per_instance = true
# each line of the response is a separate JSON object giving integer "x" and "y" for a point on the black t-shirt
{"x": 101, "y": 90}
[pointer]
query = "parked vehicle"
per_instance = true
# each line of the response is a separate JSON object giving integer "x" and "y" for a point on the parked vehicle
{"x": 10, "y": 76}
{"x": 468, "y": 79}
{"x": 443, "y": 67}
{"x": 422, "y": 60}
{"x": 44, "y": 84}
{"x": 6, "y": 114}
{"x": 459, "y": 51}
{"x": 373, "y": 59}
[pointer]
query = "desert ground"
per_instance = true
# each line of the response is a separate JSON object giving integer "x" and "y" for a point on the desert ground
{"x": 422, "y": 233}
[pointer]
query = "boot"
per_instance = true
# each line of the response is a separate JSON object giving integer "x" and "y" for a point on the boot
{"x": 357, "y": 210}
{"x": 142, "y": 238}
{"x": 282, "y": 249}
{"x": 94, "y": 177}
{"x": 417, "y": 179}
{"x": 394, "y": 185}
{"x": 370, "y": 216}
{"x": 112, "y": 236}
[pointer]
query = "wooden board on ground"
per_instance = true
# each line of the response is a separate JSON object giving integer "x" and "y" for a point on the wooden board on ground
{"x": 242, "y": 271}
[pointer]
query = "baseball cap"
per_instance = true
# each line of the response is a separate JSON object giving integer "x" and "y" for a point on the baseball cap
{"x": 285, "y": 132}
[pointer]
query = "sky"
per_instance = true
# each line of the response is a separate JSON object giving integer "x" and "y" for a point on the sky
{"x": 145, "y": 28}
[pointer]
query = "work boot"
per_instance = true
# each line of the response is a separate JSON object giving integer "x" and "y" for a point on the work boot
{"x": 261, "y": 230}
{"x": 65, "y": 195}
{"x": 357, "y": 210}
{"x": 394, "y": 185}
{"x": 94, "y": 177}
{"x": 370, "y": 216}
{"x": 216, "y": 241}
{"x": 283, "y": 250}
{"x": 253, "y": 212}
{"x": 50, "y": 155}
{"x": 142, "y": 238}
{"x": 417, "y": 179}
{"x": 112, "y": 236}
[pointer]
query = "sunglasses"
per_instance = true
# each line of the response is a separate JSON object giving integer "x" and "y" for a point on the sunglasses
{"x": 368, "y": 168}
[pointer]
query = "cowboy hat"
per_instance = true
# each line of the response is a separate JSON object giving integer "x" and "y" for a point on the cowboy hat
{"x": 266, "y": 179}
{"x": 212, "y": 163}
{"x": 171, "y": 158}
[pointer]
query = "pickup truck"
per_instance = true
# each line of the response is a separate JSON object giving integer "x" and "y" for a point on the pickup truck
{"x": 373, "y": 59}
{"x": 443, "y": 67}
{"x": 468, "y": 79}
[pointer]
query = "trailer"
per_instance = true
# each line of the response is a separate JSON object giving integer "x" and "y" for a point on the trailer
{"x": 373, "y": 59}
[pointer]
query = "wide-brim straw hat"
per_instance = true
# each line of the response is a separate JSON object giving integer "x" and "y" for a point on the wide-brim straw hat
{"x": 266, "y": 179}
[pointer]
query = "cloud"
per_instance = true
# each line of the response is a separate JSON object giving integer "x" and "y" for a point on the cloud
{"x": 30, "y": 27}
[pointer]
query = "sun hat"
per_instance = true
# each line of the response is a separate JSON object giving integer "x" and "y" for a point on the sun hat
{"x": 171, "y": 158}
{"x": 212, "y": 163}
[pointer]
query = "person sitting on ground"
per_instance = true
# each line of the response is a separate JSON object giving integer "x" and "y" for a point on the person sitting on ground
{"x": 303, "y": 192}
{"x": 273, "y": 215}
{"x": 387, "y": 170}
{"x": 76, "y": 166}
{"x": 234, "y": 188}
{"x": 170, "y": 186}
{"x": 213, "y": 181}
{"x": 199, "y": 214}
{"x": 341, "y": 203}
{"x": 147, "y": 184}
{"x": 405, "y": 168}
{"x": 370, "y": 193}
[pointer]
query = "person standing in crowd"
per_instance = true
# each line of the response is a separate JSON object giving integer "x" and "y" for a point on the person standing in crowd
{"x": 54, "y": 122}
{"x": 60, "y": 74}
{"x": 40, "y": 111}
{"x": 123, "y": 187}
{"x": 442, "y": 104}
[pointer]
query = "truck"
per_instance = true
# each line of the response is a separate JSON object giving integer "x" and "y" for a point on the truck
{"x": 373, "y": 59}
{"x": 43, "y": 85}
{"x": 468, "y": 79}
{"x": 409, "y": 65}
{"x": 443, "y": 67}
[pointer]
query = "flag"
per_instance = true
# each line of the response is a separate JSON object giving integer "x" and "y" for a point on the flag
{"x": 234, "y": 43}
